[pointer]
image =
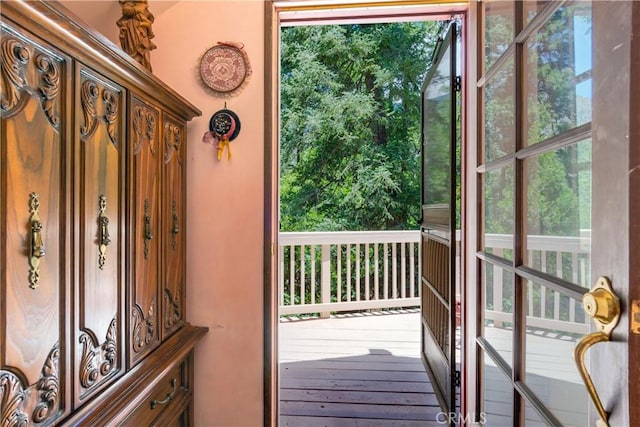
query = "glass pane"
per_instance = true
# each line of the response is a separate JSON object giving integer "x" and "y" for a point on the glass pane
{"x": 558, "y": 201}
{"x": 498, "y": 212}
{"x": 532, "y": 8}
{"x": 499, "y": 115}
{"x": 499, "y": 28}
{"x": 436, "y": 144}
{"x": 554, "y": 324}
{"x": 532, "y": 418}
{"x": 558, "y": 74}
{"x": 497, "y": 327}
{"x": 497, "y": 396}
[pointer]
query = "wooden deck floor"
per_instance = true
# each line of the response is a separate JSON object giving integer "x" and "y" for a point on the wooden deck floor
{"x": 365, "y": 370}
{"x": 354, "y": 370}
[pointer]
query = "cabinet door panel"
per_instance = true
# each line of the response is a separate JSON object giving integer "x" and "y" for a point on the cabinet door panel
{"x": 173, "y": 224}
{"x": 100, "y": 209}
{"x": 144, "y": 311}
{"x": 33, "y": 229}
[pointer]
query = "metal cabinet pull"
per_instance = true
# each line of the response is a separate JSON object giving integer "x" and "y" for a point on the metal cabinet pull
{"x": 36, "y": 243}
{"x": 104, "y": 240}
{"x": 168, "y": 398}
{"x": 175, "y": 229}
{"x": 148, "y": 231}
{"x": 603, "y": 306}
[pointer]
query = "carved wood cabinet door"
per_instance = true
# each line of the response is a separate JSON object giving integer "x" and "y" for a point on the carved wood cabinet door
{"x": 34, "y": 226}
{"x": 98, "y": 223}
{"x": 145, "y": 152}
{"x": 173, "y": 210}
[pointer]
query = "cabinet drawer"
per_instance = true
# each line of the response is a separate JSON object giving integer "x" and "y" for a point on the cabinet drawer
{"x": 166, "y": 399}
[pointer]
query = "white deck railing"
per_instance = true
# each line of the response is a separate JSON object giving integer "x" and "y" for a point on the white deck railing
{"x": 560, "y": 256}
{"x": 323, "y": 272}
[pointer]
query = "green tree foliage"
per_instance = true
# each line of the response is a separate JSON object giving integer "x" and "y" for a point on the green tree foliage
{"x": 350, "y": 130}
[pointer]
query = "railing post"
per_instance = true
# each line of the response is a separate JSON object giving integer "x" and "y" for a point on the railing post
{"x": 326, "y": 278}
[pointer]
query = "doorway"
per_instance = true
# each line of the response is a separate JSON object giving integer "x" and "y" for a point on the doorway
{"x": 612, "y": 133}
{"x": 400, "y": 11}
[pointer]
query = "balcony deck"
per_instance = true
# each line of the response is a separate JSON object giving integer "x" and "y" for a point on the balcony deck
{"x": 355, "y": 370}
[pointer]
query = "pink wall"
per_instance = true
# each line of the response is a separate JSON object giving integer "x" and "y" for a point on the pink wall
{"x": 225, "y": 205}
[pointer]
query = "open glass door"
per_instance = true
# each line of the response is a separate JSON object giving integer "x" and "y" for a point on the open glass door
{"x": 438, "y": 226}
{"x": 553, "y": 191}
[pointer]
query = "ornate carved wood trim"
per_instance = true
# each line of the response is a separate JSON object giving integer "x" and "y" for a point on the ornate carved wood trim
{"x": 77, "y": 41}
{"x": 172, "y": 141}
{"x": 49, "y": 86}
{"x": 88, "y": 95}
{"x": 48, "y": 387}
{"x": 14, "y": 61}
{"x": 111, "y": 114}
{"x": 98, "y": 360}
{"x": 14, "y": 396}
{"x": 172, "y": 309}
{"x": 143, "y": 328}
{"x": 144, "y": 128}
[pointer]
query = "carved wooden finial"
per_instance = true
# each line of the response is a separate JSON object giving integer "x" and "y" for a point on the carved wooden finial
{"x": 135, "y": 30}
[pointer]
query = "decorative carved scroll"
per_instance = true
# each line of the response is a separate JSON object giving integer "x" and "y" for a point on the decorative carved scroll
{"x": 98, "y": 361}
{"x": 138, "y": 114}
{"x": 111, "y": 114}
{"x": 14, "y": 60}
{"x": 173, "y": 309}
{"x": 88, "y": 95}
{"x": 88, "y": 369}
{"x": 49, "y": 387}
{"x": 109, "y": 350}
{"x": 143, "y": 329}
{"x": 151, "y": 130}
{"x": 14, "y": 395}
{"x": 49, "y": 86}
{"x": 172, "y": 140}
{"x": 144, "y": 127}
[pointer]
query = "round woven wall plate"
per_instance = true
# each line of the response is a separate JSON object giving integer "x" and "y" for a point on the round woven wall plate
{"x": 224, "y": 68}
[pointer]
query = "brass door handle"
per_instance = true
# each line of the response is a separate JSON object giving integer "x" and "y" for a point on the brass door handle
{"x": 603, "y": 306}
{"x": 104, "y": 240}
{"x": 36, "y": 243}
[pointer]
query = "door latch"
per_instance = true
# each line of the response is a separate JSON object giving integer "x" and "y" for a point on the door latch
{"x": 603, "y": 306}
{"x": 635, "y": 317}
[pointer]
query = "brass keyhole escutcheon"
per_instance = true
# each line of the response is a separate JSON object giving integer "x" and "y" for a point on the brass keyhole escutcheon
{"x": 603, "y": 306}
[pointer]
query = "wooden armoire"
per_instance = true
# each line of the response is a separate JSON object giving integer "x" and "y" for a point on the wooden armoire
{"x": 92, "y": 222}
